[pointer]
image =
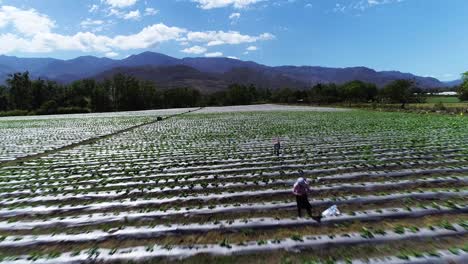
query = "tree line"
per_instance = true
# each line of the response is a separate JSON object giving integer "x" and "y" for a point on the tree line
{"x": 121, "y": 93}
{"x": 463, "y": 89}
{"x": 126, "y": 93}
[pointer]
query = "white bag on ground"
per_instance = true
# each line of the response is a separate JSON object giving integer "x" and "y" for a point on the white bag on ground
{"x": 331, "y": 211}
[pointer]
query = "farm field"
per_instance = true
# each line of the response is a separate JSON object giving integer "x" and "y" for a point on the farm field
{"x": 29, "y": 135}
{"x": 205, "y": 186}
{"x": 442, "y": 99}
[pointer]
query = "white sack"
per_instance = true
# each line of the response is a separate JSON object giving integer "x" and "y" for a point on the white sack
{"x": 332, "y": 211}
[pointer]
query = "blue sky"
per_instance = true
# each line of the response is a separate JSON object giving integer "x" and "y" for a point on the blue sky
{"x": 424, "y": 37}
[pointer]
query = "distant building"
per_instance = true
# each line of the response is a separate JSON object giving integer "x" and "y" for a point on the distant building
{"x": 447, "y": 93}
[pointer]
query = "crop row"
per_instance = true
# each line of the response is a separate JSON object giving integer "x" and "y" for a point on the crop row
{"x": 210, "y": 184}
{"x": 22, "y": 137}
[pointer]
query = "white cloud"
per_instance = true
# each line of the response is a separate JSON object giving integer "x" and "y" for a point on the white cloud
{"x": 149, "y": 11}
{"x": 234, "y": 16}
{"x": 130, "y": 15}
{"x": 134, "y": 15}
{"x": 111, "y": 54}
{"x": 94, "y": 25}
{"x": 88, "y": 42}
{"x": 89, "y": 22}
{"x": 280, "y": 3}
{"x": 28, "y": 22}
{"x": 380, "y": 2}
{"x": 148, "y": 37}
{"x": 214, "y": 38}
{"x": 233, "y": 57}
{"x": 194, "y": 50}
{"x": 252, "y": 48}
{"x": 115, "y": 12}
{"x": 120, "y": 3}
{"x": 31, "y": 32}
{"x": 214, "y": 54}
{"x": 93, "y": 8}
{"x": 11, "y": 42}
{"x": 362, "y": 5}
{"x": 339, "y": 8}
{"x": 210, "y": 4}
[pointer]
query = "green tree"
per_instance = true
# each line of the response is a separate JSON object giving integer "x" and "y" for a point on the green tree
{"x": 118, "y": 90}
{"x": 358, "y": 91}
{"x": 127, "y": 93}
{"x": 180, "y": 97}
{"x": 284, "y": 95}
{"x": 324, "y": 93}
{"x": 47, "y": 108}
{"x": 264, "y": 95}
{"x": 134, "y": 94}
{"x": 19, "y": 86}
{"x": 101, "y": 98}
{"x": 149, "y": 94}
{"x": 240, "y": 94}
{"x": 4, "y": 103}
{"x": 398, "y": 91}
{"x": 43, "y": 91}
{"x": 79, "y": 93}
{"x": 217, "y": 98}
{"x": 463, "y": 89}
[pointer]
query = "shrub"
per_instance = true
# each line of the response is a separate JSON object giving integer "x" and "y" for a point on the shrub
{"x": 47, "y": 108}
{"x": 15, "y": 113}
{"x": 439, "y": 106}
{"x": 73, "y": 110}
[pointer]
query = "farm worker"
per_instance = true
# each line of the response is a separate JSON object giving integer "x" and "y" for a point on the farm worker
{"x": 277, "y": 147}
{"x": 300, "y": 190}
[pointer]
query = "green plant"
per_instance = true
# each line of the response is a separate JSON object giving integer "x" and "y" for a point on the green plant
{"x": 366, "y": 233}
{"x": 399, "y": 229}
{"x": 445, "y": 224}
{"x": 225, "y": 243}
{"x": 403, "y": 256}
{"x": 296, "y": 237}
{"x": 454, "y": 250}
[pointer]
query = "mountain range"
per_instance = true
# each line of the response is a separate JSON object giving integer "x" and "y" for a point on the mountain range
{"x": 206, "y": 74}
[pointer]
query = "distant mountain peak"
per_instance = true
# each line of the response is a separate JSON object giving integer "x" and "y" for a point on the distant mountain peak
{"x": 224, "y": 69}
